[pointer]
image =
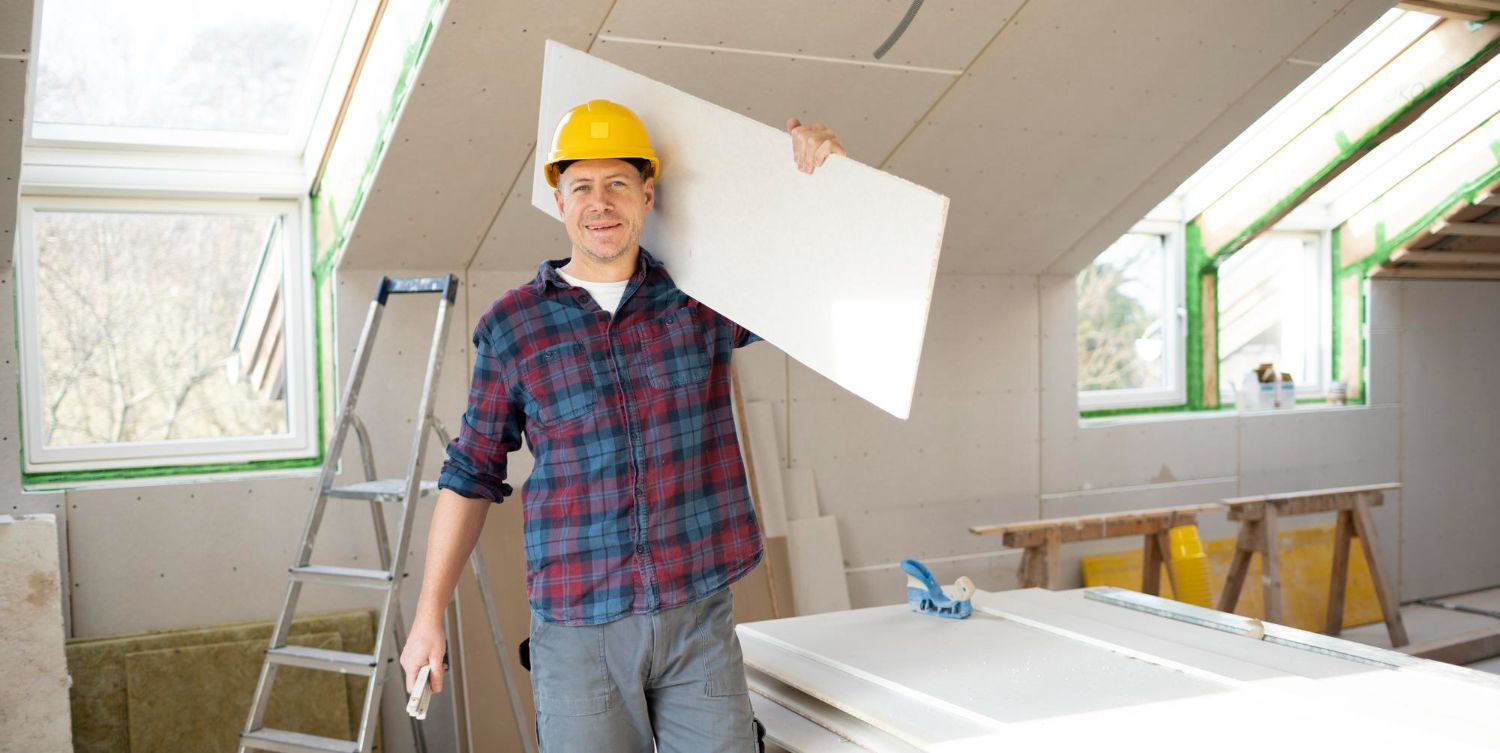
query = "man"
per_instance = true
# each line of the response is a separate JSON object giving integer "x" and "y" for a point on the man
{"x": 637, "y": 517}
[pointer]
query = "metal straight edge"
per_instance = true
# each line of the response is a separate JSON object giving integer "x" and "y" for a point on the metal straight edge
{"x": 1237, "y": 625}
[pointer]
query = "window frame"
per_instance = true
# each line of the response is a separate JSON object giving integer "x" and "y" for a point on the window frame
{"x": 301, "y": 441}
{"x": 1174, "y": 335}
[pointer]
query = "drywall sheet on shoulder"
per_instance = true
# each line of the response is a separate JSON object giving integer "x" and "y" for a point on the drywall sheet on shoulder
{"x": 835, "y": 268}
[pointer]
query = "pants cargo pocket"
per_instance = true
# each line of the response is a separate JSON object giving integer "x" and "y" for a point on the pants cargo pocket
{"x": 568, "y": 674}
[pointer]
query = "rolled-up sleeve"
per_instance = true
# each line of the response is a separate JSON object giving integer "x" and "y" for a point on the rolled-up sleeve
{"x": 491, "y": 428}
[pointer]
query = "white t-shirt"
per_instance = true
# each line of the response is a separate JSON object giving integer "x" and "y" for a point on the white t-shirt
{"x": 606, "y": 294}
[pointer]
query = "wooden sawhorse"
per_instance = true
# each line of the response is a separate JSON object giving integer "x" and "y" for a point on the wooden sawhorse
{"x": 1042, "y": 540}
{"x": 1259, "y": 519}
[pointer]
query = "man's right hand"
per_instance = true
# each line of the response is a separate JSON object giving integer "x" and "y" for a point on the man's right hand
{"x": 425, "y": 646}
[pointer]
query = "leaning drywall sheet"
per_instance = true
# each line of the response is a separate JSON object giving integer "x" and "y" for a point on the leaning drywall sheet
{"x": 834, "y": 268}
{"x": 34, "y": 696}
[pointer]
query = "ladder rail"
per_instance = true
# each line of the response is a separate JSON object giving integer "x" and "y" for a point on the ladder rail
{"x": 413, "y": 492}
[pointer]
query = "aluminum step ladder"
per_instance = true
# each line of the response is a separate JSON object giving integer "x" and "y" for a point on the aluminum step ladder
{"x": 405, "y": 492}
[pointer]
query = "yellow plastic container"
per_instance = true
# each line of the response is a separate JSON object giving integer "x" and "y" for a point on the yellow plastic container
{"x": 1189, "y": 566}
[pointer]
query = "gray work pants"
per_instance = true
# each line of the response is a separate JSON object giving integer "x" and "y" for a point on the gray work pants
{"x": 674, "y": 680}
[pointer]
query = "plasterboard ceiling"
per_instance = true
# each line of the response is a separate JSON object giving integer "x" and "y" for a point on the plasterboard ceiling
{"x": 15, "y": 41}
{"x": 15, "y": 26}
{"x": 1066, "y": 116}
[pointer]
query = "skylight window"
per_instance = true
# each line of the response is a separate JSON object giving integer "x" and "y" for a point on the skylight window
{"x": 178, "y": 73}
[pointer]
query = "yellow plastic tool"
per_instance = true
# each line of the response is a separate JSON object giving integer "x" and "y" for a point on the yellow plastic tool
{"x": 1189, "y": 566}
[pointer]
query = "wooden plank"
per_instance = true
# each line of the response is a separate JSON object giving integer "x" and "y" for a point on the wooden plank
{"x": 1403, "y": 256}
{"x": 1151, "y": 562}
{"x": 1090, "y": 527}
{"x": 1364, "y": 527}
{"x": 1484, "y": 229}
{"x": 1270, "y": 563}
{"x": 1465, "y": 648}
{"x": 1210, "y": 314}
{"x": 1483, "y": 5}
{"x": 817, "y": 564}
{"x": 1338, "y": 580}
{"x": 1053, "y": 551}
{"x": 1442, "y": 9}
{"x": 1409, "y": 273}
{"x": 866, "y": 335}
{"x": 1240, "y": 566}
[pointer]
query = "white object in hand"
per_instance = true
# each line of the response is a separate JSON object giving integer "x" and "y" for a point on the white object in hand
{"x": 421, "y": 695}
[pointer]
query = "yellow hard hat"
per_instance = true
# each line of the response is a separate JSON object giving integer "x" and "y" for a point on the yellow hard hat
{"x": 600, "y": 129}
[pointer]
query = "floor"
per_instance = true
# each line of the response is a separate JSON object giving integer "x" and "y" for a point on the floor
{"x": 1430, "y": 623}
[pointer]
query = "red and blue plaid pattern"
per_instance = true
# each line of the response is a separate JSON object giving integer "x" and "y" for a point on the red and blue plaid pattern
{"x": 637, "y": 502}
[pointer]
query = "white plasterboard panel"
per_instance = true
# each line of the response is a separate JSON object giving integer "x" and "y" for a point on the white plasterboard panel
{"x": 843, "y": 218}
{"x": 787, "y": 730}
{"x": 928, "y": 530}
{"x": 915, "y": 723}
{"x": 1143, "y": 71}
{"x": 1212, "y": 525}
{"x": 762, "y": 372}
{"x": 882, "y": 585}
{"x": 946, "y": 35}
{"x": 12, "y": 96}
{"x": 1133, "y": 664}
{"x": 1451, "y": 428}
{"x": 15, "y": 26}
{"x": 993, "y": 695}
{"x": 1135, "y": 453}
{"x": 1355, "y": 445}
{"x": 817, "y": 560}
{"x": 871, "y": 109}
{"x": 10, "y": 440}
{"x": 760, "y": 422}
{"x": 1384, "y": 299}
{"x": 1059, "y": 357}
{"x": 1340, "y": 29}
{"x": 35, "y": 696}
{"x": 520, "y": 238}
{"x": 1215, "y": 135}
{"x": 953, "y": 448}
{"x": 465, "y": 133}
{"x": 801, "y": 493}
{"x": 1019, "y": 195}
{"x": 206, "y": 540}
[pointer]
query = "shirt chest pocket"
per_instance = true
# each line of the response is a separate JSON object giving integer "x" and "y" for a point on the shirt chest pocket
{"x": 677, "y": 353}
{"x": 560, "y": 384}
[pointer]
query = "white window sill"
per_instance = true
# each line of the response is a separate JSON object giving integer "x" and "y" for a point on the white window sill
{"x": 1203, "y": 415}
{"x": 228, "y": 477}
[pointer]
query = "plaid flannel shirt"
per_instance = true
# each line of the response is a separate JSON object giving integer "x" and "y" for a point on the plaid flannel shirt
{"x": 637, "y": 501}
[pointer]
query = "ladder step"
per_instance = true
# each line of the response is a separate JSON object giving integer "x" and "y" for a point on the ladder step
{"x": 382, "y": 490}
{"x": 342, "y": 576}
{"x": 283, "y": 741}
{"x": 319, "y": 658}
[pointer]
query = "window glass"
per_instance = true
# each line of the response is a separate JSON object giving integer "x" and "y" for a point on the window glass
{"x": 253, "y": 68}
{"x": 149, "y": 323}
{"x": 1271, "y": 300}
{"x": 1123, "y": 303}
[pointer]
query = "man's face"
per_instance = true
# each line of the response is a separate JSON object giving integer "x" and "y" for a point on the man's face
{"x": 603, "y": 203}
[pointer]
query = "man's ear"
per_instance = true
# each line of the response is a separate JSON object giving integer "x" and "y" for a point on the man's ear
{"x": 649, "y": 187}
{"x": 557, "y": 195}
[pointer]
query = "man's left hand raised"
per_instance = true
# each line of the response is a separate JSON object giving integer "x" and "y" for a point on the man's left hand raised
{"x": 811, "y": 144}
